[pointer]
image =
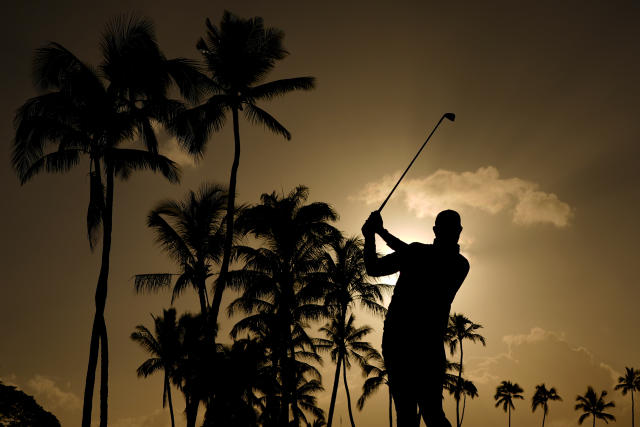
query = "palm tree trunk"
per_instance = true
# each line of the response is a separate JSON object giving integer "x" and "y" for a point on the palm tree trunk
{"x": 594, "y": 420}
{"x": 167, "y": 385}
{"x": 459, "y": 389}
{"x": 390, "y": 409}
{"x": 228, "y": 240}
{"x": 334, "y": 391}
{"x": 192, "y": 411}
{"x": 294, "y": 380}
{"x": 346, "y": 388}
{"x": 104, "y": 374}
{"x": 509, "y": 416}
{"x": 633, "y": 421}
{"x": 544, "y": 415}
{"x": 91, "y": 375}
{"x": 202, "y": 296}
{"x": 464, "y": 406}
{"x": 98, "y": 321}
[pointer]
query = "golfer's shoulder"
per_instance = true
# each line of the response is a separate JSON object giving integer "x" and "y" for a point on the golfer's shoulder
{"x": 419, "y": 247}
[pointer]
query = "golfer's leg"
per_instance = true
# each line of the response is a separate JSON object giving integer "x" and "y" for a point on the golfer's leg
{"x": 433, "y": 414}
{"x": 400, "y": 383}
{"x": 430, "y": 400}
{"x": 405, "y": 402}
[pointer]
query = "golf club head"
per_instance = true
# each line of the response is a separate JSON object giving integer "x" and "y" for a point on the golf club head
{"x": 450, "y": 116}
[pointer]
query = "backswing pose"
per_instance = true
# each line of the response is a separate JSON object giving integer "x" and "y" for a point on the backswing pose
{"x": 430, "y": 276}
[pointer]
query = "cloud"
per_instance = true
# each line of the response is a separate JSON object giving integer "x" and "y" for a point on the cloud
{"x": 45, "y": 390}
{"x": 482, "y": 189}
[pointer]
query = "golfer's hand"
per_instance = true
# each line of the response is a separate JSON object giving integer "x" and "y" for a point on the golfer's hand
{"x": 373, "y": 224}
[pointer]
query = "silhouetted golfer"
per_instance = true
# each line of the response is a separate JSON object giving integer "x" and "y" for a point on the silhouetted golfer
{"x": 413, "y": 338}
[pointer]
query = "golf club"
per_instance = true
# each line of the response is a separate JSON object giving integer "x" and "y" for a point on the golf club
{"x": 449, "y": 116}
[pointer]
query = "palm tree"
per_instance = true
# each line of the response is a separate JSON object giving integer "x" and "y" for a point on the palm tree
{"x": 460, "y": 328}
{"x": 630, "y": 382}
{"x": 345, "y": 280}
{"x": 239, "y": 374}
{"x": 506, "y": 392}
{"x": 376, "y": 377}
{"x": 191, "y": 232}
{"x": 238, "y": 54}
{"x": 195, "y": 370}
{"x": 276, "y": 279}
{"x": 541, "y": 398}
{"x": 459, "y": 386}
{"x": 594, "y": 405}
{"x": 306, "y": 401}
{"x": 83, "y": 113}
{"x": 344, "y": 342}
{"x": 164, "y": 347}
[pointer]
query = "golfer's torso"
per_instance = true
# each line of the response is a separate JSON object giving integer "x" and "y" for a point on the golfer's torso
{"x": 428, "y": 282}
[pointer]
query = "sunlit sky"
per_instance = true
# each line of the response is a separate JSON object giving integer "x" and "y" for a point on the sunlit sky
{"x": 541, "y": 163}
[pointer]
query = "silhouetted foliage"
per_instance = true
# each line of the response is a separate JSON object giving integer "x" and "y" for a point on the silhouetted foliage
{"x": 277, "y": 290}
{"x": 191, "y": 232}
{"x": 460, "y": 328}
{"x": 459, "y": 386}
{"x": 19, "y": 409}
{"x": 239, "y": 374}
{"x": 541, "y": 398}
{"x": 83, "y": 113}
{"x": 376, "y": 377}
{"x": 629, "y": 383}
{"x": 344, "y": 342}
{"x": 347, "y": 285}
{"x": 506, "y": 393}
{"x": 238, "y": 53}
{"x": 595, "y": 406}
{"x": 164, "y": 347}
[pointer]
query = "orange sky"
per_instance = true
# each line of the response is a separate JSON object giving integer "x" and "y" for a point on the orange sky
{"x": 541, "y": 163}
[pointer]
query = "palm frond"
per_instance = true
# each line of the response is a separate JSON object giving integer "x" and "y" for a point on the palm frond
{"x": 154, "y": 282}
{"x": 55, "y": 162}
{"x": 126, "y": 160}
{"x": 281, "y": 87}
{"x": 194, "y": 126}
{"x": 257, "y": 115}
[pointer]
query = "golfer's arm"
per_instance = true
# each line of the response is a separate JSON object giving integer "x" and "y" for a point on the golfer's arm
{"x": 375, "y": 266}
{"x": 392, "y": 241}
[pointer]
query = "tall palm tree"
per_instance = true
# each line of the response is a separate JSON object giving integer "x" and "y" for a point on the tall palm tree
{"x": 460, "y": 328}
{"x": 541, "y": 398}
{"x": 594, "y": 405}
{"x": 630, "y": 382}
{"x": 344, "y": 277}
{"x": 376, "y": 377}
{"x": 238, "y": 54}
{"x": 506, "y": 392}
{"x": 164, "y": 347}
{"x": 276, "y": 278}
{"x": 191, "y": 232}
{"x": 83, "y": 112}
{"x": 344, "y": 342}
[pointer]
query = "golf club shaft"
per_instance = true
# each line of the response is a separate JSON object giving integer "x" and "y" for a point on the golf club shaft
{"x": 408, "y": 167}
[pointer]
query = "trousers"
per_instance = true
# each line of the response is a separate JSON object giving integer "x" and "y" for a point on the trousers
{"x": 416, "y": 376}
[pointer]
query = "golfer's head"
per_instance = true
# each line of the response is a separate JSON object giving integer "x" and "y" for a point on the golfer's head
{"x": 448, "y": 226}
